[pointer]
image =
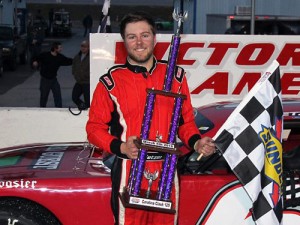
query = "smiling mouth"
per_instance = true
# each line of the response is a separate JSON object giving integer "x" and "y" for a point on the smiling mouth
{"x": 140, "y": 49}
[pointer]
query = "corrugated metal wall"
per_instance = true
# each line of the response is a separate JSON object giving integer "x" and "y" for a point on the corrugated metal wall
{"x": 199, "y": 10}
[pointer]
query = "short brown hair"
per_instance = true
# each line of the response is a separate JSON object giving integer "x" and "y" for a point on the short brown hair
{"x": 136, "y": 17}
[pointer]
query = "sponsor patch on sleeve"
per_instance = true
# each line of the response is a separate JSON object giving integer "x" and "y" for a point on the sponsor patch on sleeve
{"x": 108, "y": 82}
{"x": 179, "y": 74}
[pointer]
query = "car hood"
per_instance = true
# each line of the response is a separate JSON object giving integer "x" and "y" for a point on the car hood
{"x": 59, "y": 160}
{"x": 209, "y": 118}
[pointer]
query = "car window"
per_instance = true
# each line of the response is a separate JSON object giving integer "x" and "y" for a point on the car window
{"x": 291, "y": 138}
{"x": 203, "y": 123}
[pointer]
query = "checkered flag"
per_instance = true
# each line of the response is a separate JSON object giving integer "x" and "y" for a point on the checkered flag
{"x": 105, "y": 24}
{"x": 250, "y": 141}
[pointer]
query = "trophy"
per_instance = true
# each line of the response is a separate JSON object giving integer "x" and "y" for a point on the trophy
{"x": 158, "y": 200}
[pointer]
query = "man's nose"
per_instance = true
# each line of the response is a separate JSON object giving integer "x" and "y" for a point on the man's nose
{"x": 139, "y": 40}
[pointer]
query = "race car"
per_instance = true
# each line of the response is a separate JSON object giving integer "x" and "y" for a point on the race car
{"x": 69, "y": 183}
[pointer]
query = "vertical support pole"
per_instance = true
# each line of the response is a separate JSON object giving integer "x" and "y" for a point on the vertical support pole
{"x": 252, "y": 31}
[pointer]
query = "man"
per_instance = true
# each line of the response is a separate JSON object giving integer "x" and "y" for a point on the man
{"x": 81, "y": 73}
{"x": 50, "y": 19}
{"x": 116, "y": 115}
{"x": 88, "y": 24}
{"x": 49, "y": 63}
{"x": 35, "y": 41}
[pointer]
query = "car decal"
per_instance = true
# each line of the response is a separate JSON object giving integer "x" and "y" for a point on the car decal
{"x": 231, "y": 205}
{"x": 12, "y": 221}
{"x": 49, "y": 159}
{"x": 24, "y": 184}
{"x": 295, "y": 115}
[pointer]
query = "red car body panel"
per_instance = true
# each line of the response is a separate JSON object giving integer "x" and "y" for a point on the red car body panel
{"x": 66, "y": 190}
{"x": 71, "y": 181}
{"x": 79, "y": 193}
{"x": 196, "y": 192}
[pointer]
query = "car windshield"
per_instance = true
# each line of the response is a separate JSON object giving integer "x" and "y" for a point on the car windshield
{"x": 6, "y": 34}
{"x": 203, "y": 123}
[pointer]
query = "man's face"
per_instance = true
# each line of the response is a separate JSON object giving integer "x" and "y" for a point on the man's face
{"x": 139, "y": 42}
{"x": 58, "y": 49}
{"x": 84, "y": 47}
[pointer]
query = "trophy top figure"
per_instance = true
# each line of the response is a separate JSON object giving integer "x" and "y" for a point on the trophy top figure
{"x": 180, "y": 18}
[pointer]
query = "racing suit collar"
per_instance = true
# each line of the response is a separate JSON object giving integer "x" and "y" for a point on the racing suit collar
{"x": 140, "y": 69}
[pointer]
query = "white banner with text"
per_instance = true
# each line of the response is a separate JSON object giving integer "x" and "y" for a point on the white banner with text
{"x": 218, "y": 67}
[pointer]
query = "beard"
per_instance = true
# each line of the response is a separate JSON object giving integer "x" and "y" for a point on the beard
{"x": 140, "y": 59}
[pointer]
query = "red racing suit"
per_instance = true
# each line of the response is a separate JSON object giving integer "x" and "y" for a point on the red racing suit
{"x": 116, "y": 113}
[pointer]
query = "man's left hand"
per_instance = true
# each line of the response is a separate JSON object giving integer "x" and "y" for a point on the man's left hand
{"x": 205, "y": 146}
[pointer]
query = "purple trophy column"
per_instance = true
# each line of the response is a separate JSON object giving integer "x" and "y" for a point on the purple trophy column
{"x": 170, "y": 179}
{"x": 131, "y": 179}
{"x": 172, "y": 62}
{"x": 139, "y": 171}
{"x": 169, "y": 166}
{"x": 138, "y": 165}
{"x": 163, "y": 177}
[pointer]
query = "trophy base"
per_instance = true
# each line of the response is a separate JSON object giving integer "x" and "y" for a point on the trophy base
{"x": 150, "y": 204}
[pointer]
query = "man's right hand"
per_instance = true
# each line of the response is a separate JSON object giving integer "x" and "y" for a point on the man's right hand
{"x": 129, "y": 148}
